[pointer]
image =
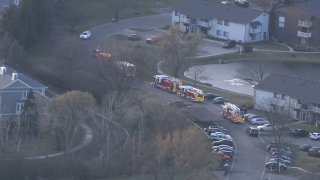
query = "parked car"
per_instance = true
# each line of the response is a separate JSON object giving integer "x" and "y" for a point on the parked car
{"x": 220, "y": 100}
{"x": 277, "y": 145}
{"x": 281, "y": 154}
{"x": 213, "y": 130}
{"x": 218, "y": 127}
{"x": 229, "y": 44}
{"x": 223, "y": 149}
{"x": 275, "y": 166}
{"x": 259, "y": 121}
{"x": 252, "y": 116}
{"x": 210, "y": 96}
{"x": 85, "y": 35}
{"x": 225, "y": 2}
{"x": 281, "y": 151}
{"x": 282, "y": 161}
{"x": 246, "y": 116}
{"x": 223, "y": 142}
{"x": 219, "y": 136}
{"x": 298, "y": 133}
{"x": 282, "y": 157}
{"x": 314, "y": 136}
{"x": 134, "y": 37}
{"x": 266, "y": 127}
{"x": 223, "y": 146}
{"x": 305, "y": 147}
{"x": 252, "y": 131}
{"x": 242, "y": 3}
{"x": 314, "y": 151}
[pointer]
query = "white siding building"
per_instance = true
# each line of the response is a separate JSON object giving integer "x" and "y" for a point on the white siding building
{"x": 299, "y": 97}
{"x": 228, "y": 22}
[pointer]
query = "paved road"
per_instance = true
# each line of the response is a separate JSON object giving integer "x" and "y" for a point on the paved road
{"x": 250, "y": 158}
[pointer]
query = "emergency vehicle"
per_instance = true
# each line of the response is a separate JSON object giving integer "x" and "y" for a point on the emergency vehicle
{"x": 166, "y": 83}
{"x": 232, "y": 112}
{"x": 191, "y": 93}
{"x": 127, "y": 68}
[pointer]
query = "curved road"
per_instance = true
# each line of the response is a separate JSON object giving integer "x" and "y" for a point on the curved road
{"x": 250, "y": 158}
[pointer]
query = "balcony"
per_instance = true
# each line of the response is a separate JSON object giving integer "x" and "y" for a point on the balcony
{"x": 255, "y": 30}
{"x": 203, "y": 24}
{"x": 305, "y": 24}
{"x": 315, "y": 109}
{"x": 296, "y": 106}
{"x": 303, "y": 34}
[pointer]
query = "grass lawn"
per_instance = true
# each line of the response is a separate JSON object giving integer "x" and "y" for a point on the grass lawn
{"x": 267, "y": 45}
{"x": 306, "y": 126}
{"x": 301, "y": 159}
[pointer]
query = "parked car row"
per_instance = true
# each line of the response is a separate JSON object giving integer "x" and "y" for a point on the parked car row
{"x": 312, "y": 151}
{"x": 281, "y": 157}
{"x": 222, "y": 142}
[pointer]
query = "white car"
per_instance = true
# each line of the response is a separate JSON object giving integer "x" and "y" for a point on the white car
{"x": 266, "y": 127}
{"x": 314, "y": 136}
{"x": 259, "y": 121}
{"x": 219, "y": 136}
{"x": 85, "y": 35}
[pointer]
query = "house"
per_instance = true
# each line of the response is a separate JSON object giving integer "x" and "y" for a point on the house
{"x": 297, "y": 97}
{"x": 223, "y": 21}
{"x": 14, "y": 88}
{"x": 297, "y": 24}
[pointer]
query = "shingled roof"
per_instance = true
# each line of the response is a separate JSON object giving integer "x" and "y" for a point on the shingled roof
{"x": 212, "y": 10}
{"x": 6, "y": 79}
{"x": 301, "y": 89}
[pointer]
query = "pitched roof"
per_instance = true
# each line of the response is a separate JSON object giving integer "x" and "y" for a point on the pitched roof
{"x": 301, "y": 89}
{"x": 6, "y": 80}
{"x": 212, "y": 10}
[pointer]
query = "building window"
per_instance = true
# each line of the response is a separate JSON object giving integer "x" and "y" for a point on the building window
{"x": 283, "y": 96}
{"x": 276, "y": 95}
{"x": 303, "y": 41}
{"x": 24, "y": 94}
{"x": 220, "y": 21}
{"x": 226, "y": 23}
{"x": 19, "y": 107}
{"x": 176, "y": 13}
{"x": 281, "y": 21}
{"x": 219, "y": 32}
{"x": 226, "y": 34}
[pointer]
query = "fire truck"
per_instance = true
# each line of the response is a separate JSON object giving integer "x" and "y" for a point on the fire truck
{"x": 101, "y": 55}
{"x": 232, "y": 112}
{"x": 166, "y": 83}
{"x": 191, "y": 93}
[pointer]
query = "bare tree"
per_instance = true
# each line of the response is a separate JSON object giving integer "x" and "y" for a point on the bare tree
{"x": 177, "y": 47}
{"x": 197, "y": 73}
{"x": 67, "y": 113}
{"x": 254, "y": 72}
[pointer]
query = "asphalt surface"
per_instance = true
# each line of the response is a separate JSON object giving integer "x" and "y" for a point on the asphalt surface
{"x": 251, "y": 155}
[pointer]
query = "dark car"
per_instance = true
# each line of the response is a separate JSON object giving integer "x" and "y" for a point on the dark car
{"x": 305, "y": 147}
{"x": 229, "y": 44}
{"x": 314, "y": 151}
{"x": 275, "y": 166}
{"x": 220, "y": 100}
{"x": 213, "y": 129}
{"x": 134, "y": 37}
{"x": 223, "y": 142}
{"x": 242, "y": 3}
{"x": 252, "y": 131}
{"x": 298, "y": 133}
{"x": 210, "y": 96}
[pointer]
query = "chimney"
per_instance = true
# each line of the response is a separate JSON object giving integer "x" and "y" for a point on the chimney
{"x": 14, "y": 76}
{"x": 3, "y": 70}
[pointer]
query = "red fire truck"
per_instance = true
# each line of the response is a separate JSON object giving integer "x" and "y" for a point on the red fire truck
{"x": 191, "y": 93}
{"x": 232, "y": 112}
{"x": 165, "y": 82}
